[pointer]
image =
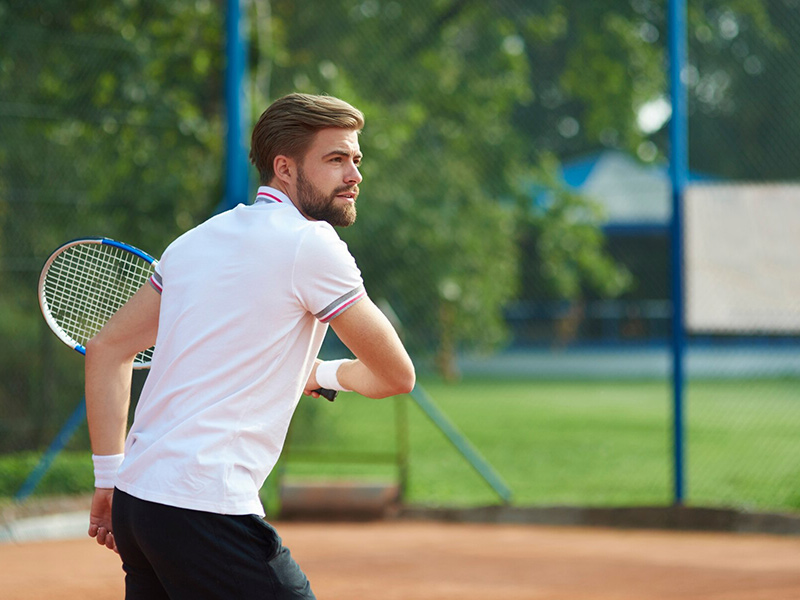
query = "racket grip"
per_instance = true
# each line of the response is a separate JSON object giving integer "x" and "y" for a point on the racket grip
{"x": 326, "y": 393}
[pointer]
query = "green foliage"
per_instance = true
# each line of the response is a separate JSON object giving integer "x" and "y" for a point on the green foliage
{"x": 743, "y": 89}
{"x": 111, "y": 124}
{"x": 432, "y": 237}
{"x": 564, "y": 245}
{"x": 116, "y": 105}
{"x": 70, "y": 473}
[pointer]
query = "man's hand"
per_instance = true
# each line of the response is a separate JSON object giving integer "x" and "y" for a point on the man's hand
{"x": 100, "y": 518}
{"x": 311, "y": 384}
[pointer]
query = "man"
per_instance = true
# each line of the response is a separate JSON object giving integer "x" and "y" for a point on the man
{"x": 237, "y": 309}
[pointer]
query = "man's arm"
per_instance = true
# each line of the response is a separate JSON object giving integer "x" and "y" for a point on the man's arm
{"x": 382, "y": 367}
{"x": 109, "y": 361}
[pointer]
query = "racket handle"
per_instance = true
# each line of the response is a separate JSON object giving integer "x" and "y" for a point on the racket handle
{"x": 326, "y": 393}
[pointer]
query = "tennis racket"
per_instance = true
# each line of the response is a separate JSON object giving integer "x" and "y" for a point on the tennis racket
{"x": 85, "y": 281}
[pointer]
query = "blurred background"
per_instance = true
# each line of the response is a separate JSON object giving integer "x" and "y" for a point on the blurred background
{"x": 514, "y": 222}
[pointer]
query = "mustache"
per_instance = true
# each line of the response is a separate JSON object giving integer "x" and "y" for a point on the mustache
{"x": 346, "y": 188}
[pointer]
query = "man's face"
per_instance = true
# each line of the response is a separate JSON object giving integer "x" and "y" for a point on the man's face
{"x": 328, "y": 178}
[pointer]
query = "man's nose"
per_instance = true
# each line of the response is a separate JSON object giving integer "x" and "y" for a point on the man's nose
{"x": 353, "y": 175}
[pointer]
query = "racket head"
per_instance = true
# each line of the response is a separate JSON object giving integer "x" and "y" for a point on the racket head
{"x": 84, "y": 282}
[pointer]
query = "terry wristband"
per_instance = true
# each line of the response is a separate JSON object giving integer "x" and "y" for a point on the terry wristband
{"x": 105, "y": 469}
{"x": 326, "y": 375}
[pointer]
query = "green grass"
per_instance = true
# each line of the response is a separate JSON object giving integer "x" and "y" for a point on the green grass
{"x": 744, "y": 447}
{"x": 598, "y": 443}
{"x": 552, "y": 442}
{"x": 584, "y": 443}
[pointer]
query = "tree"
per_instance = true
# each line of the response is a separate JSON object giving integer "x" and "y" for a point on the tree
{"x": 110, "y": 125}
{"x": 744, "y": 81}
{"x": 432, "y": 237}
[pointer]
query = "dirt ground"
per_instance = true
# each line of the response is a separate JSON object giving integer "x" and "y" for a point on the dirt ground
{"x": 436, "y": 561}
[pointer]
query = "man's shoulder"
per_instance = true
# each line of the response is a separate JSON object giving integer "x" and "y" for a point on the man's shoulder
{"x": 322, "y": 235}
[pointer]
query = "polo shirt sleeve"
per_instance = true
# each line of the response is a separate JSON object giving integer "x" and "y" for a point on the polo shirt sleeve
{"x": 156, "y": 278}
{"x": 326, "y": 279}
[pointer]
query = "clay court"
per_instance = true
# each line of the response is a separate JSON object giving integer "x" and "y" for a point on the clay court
{"x": 436, "y": 561}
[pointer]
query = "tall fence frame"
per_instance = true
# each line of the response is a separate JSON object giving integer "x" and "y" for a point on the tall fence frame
{"x": 236, "y": 183}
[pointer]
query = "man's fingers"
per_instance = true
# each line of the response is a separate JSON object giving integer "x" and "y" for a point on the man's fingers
{"x": 103, "y": 535}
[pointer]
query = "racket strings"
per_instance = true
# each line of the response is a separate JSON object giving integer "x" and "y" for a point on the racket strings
{"x": 87, "y": 283}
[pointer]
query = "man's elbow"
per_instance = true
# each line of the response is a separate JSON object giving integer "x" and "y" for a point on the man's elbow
{"x": 102, "y": 348}
{"x": 404, "y": 380}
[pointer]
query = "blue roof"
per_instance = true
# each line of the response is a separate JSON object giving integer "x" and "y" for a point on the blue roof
{"x": 633, "y": 194}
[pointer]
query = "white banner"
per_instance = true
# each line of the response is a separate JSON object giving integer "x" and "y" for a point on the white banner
{"x": 742, "y": 258}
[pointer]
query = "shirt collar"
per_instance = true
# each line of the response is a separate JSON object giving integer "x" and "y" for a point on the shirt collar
{"x": 270, "y": 195}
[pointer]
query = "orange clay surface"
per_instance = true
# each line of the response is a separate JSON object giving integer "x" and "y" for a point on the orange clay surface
{"x": 433, "y": 561}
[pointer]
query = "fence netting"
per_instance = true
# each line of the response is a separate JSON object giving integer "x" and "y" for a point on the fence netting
{"x": 513, "y": 220}
{"x": 742, "y": 232}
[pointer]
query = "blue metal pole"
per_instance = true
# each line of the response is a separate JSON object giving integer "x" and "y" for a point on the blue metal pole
{"x": 679, "y": 160}
{"x": 235, "y": 106}
{"x": 57, "y": 445}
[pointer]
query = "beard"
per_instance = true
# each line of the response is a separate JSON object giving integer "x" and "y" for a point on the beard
{"x": 315, "y": 204}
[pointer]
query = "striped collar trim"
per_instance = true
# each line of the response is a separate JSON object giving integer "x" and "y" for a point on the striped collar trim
{"x": 270, "y": 195}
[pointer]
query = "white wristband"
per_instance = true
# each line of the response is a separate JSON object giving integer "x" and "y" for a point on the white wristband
{"x": 326, "y": 375}
{"x": 105, "y": 469}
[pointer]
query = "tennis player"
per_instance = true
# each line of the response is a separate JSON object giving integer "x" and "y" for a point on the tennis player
{"x": 237, "y": 309}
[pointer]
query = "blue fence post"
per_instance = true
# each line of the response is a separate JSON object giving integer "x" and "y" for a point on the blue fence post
{"x": 679, "y": 154}
{"x": 56, "y": 446}
{"x": 235, "y": 106}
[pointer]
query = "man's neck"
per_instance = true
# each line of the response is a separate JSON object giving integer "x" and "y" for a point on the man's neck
{"x": 281, "y": 186}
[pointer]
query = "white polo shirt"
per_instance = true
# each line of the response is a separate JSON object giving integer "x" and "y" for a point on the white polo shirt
{"x": 245, "y": 302}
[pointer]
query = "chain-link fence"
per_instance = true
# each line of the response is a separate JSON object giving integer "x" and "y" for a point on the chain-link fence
{"x": 742, "y": 235}
{"x": 513, "y": 219}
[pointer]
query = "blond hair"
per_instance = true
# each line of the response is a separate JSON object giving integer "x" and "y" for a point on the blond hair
{"x": 288, "y": 126}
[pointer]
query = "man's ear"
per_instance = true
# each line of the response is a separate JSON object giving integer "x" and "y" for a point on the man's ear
{"x": 284, "y": 168}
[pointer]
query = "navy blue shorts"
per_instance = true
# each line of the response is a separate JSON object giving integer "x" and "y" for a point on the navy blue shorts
{"x": 175, "y": 553}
